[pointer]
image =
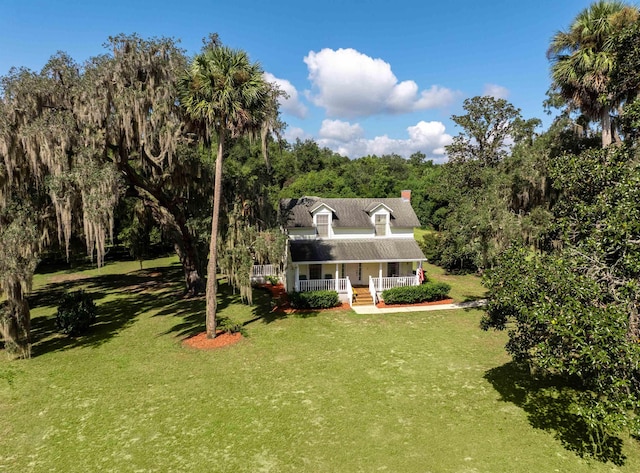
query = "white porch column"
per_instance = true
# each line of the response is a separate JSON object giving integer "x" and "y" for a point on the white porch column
{"x": 379, "y": 276}
{"x": 297, "y": 283}
{"x": 337, "y": 277}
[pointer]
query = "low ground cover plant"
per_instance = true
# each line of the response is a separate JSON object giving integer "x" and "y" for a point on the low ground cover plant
{"x": 428, "y": 292}
{"x": 314, "y": 300}
{"x": 227, "y": 325}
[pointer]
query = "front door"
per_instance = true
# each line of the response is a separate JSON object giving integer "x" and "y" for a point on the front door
{"x": 354, "y": 271}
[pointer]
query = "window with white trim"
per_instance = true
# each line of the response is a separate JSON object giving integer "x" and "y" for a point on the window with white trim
{"x": 381, "y": 224}
{"x": 322, "y": 225}
{"x": 315, "y": 271}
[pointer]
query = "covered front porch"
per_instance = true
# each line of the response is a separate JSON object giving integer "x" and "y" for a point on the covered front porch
{"x": 344, "y": 277}
{"x": 341, "y": 265}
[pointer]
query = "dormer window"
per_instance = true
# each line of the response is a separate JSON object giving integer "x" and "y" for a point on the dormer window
{"x": 381, "y": 224}
{"x": 322, "y": 225}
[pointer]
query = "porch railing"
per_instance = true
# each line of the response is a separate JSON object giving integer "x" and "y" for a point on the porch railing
{"x": 372, "y": 290}
{"x": 382, "y": 284}
{"x": 262, "y": 270}
{"x": 340, "y": 286}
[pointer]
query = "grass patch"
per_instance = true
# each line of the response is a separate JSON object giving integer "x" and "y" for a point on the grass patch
{"x": 412, "y": 392}
{"x": 464, "y": 287}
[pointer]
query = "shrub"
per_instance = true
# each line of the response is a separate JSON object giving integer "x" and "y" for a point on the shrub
{"x": 76, "y": 313}
{"x": 314, "y": 300}
{"x": 432, "y": 291}
{"x": 273, "y": 280}
{"x": 227, "y": 325}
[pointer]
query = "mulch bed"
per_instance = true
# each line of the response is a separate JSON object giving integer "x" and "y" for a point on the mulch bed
{"x": 290, "y": 310}
{"x": 280, "y": 295}
{"x": 382, "y": 305}
{"x": 201, "y": 342}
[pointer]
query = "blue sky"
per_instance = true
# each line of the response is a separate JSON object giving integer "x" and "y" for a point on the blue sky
{"x": 363, "y": 77}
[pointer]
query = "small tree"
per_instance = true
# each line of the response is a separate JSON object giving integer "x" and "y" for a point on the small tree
{"x": 488, "y": 128}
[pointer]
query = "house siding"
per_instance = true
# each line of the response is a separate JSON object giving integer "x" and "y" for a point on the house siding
{"x": 350, "y": 233}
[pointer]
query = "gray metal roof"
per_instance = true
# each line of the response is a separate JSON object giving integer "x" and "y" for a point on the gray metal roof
{"x": 348, "y": 213}
{"x": 343, "y": 251}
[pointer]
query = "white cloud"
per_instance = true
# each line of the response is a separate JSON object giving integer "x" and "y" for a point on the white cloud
{"x": 427, "y": 137}
{"x": 350, "y": 84}
{"x": 340, "y": 131}
{"x": 290, "y": 104}
{"x": 496, "y": 91}
{"x": 436, "y": 97}
{"x": 294, "y": 133}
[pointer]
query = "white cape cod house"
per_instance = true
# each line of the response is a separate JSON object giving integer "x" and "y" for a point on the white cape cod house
{"x": 358, "y": 247}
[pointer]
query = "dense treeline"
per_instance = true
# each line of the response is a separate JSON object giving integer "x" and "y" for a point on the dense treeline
{"x": 320, "y": 172}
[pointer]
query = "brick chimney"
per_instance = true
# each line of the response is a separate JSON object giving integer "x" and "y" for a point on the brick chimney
{"x": 406, "y": 195}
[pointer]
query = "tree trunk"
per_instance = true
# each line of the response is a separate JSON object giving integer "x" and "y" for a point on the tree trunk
{"x": 15, "y": 324}
{"x": 607, "y": 137}
{"x": 189, "y": 259}
{"x": 212, "y": 267}
{"x": 173, "y": 222}
{"x": 187, "y": 254}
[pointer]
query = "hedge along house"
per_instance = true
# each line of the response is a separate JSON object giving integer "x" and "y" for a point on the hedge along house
{"x": 357, "y": 247}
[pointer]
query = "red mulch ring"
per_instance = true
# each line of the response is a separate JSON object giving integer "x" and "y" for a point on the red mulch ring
{"x": 382, "y": 305}
{"x": 201, "y": 342}
{"x": 276, "y": 291}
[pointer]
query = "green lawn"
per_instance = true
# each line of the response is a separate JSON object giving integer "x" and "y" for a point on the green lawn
{"x": 465, "y": 287}
{"x": 328, "y": 392}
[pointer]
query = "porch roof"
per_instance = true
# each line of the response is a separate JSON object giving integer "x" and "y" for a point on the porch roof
{"x": 355, "y": 251}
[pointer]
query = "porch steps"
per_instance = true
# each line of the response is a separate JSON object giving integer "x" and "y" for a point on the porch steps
{"x": 361, "y": 296}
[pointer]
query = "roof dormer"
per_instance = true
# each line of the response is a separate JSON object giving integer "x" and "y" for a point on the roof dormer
{"x": 322, "y": 216}
{"x": 380, "y": 215}
{"x": 320, "y": 206}
{"x": 374, "y": 206}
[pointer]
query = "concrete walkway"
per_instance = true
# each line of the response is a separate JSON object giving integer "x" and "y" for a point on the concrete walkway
{"x": 371, "y": 309}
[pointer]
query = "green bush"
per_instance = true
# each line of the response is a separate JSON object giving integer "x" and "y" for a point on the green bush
{"x": 76, "y": 313}
{"x": 273, "y": 280}
{"x": 314, "y": 300}
{"x": 431, "y": 291}
{"x": 226, "y": 325}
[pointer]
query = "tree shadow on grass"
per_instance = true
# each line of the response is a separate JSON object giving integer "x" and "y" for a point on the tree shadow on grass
{"x": 549, "y": 403}
{"x": 230, "y": 305}
{"x": 120, "y": 299}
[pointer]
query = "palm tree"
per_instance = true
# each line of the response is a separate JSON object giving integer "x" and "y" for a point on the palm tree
{"x": 227, "y": 96}
{"x": 583, "y": 57}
